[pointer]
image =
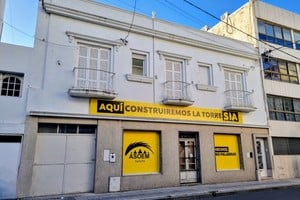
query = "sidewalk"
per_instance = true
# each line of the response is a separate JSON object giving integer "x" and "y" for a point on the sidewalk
{"x": 182, "y": 191}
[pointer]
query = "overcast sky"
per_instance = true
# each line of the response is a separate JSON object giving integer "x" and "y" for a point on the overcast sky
{"x": 20, "y": 15}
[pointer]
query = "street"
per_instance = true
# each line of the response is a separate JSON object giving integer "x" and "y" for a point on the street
{"x": 276, "y": 194}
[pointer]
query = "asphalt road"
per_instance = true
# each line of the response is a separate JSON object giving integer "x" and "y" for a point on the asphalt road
{"x": 275, "y": 194}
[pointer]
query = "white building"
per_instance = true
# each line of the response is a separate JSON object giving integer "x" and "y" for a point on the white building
{"x": 19, "y": 72}
{"x": 106, "y": 105}
{"x": 278, "y": 40}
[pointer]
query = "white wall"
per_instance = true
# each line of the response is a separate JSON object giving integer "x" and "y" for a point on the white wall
{"x": 22, "y": 60}
{"x": 53, "y": 96}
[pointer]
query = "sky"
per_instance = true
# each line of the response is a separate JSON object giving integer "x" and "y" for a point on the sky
{"x": 20, "y": 15}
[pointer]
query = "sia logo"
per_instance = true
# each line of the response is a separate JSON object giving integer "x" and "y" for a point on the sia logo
{"x": 135, "y": 153}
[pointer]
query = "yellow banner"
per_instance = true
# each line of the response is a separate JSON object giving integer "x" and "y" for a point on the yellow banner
{"x": 227, "y": 152}
{"x": 160, "y": 111}
{"x": 140, "y": 152}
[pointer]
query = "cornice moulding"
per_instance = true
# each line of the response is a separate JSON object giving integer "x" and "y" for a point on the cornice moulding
{"x": 95, "y": 19}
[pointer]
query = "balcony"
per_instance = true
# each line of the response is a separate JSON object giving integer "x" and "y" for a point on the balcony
{"x": 239, "y": 100}
{"x": 176, "y": 93}
{"x": 93, "y": 83}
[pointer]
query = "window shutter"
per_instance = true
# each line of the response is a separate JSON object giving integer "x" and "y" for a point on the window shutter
{"x": 204, "y": 75}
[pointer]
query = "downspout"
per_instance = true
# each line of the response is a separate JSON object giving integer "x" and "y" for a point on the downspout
{"x": 255, "y": 34}
{"x": 153, "y": 56}
{"x": 45, "y": 40}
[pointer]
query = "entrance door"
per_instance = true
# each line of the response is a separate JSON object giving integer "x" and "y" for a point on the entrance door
{"x": 188, "y": 159}
{"x": 261, "y": 157}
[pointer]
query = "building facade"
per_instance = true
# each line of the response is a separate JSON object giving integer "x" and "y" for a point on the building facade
{"x": 108, "y": 105}
{"x": 277, "y": 39}
{"x": 18, "y": 75}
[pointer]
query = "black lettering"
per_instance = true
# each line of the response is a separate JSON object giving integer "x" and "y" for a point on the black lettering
{"x": 115, "y": 107}
{"x": 230, "y": 116}
{"x": 221, "y": 149}
{"x": 140, "y": 109}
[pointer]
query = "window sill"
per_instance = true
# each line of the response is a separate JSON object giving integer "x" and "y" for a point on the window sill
{"x": 178, "y": 102}
{"x": 206, "y": 87}
{"x": 138, "y": 78}
{"x": 88, "y": 93}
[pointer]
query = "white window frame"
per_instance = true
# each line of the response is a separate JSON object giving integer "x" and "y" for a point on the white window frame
{"x": 210, "y": 86}
{"x": 243, "y": 70}
{"x": 184, "y": 91}
{"x": 4, "y": 75}
{"x": 145, "y": 77}
{"x": 143, "y": 58}
{"x": 110, "y": 61}
{"x": 185, "y": 61}
{"x": 78, "y": 40}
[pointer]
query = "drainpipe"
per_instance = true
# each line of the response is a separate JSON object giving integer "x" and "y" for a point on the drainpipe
{"x": 153, "y": 56}
{"x": 255, "y": 34}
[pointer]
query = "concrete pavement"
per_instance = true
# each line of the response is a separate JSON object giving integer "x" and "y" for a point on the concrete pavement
{"x": 199, "y": 190}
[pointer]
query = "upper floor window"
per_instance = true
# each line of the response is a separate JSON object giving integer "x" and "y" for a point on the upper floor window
{"x": 93, "y": 71}
{"x": 94, "y": 76}
{"x": 176, "y": 87}
{"x": 275, "y": 34}
{"x": 140, "y": 71}
{"x": 139, "y": 64}
{"x": 234, "y": 87}
{"x": 297, "y": 39}
{"x": 236, "y": 95}
{"x": 276, "y": 69}
{"x": 205, "y": 76}
{"x": 11, "y": 84}
{"x": 283, "y": 108}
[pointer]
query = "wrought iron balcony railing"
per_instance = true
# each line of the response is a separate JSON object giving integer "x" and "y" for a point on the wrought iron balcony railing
{"x": 93, "y": 83}
{"x": 177, "y": 93}
{"x": 239, "y": 100}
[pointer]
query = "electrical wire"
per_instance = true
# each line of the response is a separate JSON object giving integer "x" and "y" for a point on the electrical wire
{"x": 36, "y": 38}
{"x": 197, "y": 34}
{"x": 177, "y": 9}
{"x": 132, "y": 21}
{"x": 210, "y": 14}
{"x": 124, "y": 40}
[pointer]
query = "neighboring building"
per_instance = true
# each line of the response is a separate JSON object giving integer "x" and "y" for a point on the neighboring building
{"x": 102, "y": 105}
{"x": 19, "y": 72}
{"x": 278, "y": 40}
{"x": 2, "y": 7}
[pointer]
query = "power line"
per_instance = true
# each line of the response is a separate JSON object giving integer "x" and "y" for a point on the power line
{"x": 195, "y": 19}
{"x": 124, "y": 40}
{"x": 208, "y": 13}
{"x": 176, "y": 9}
{"x": 36, "y": 38}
